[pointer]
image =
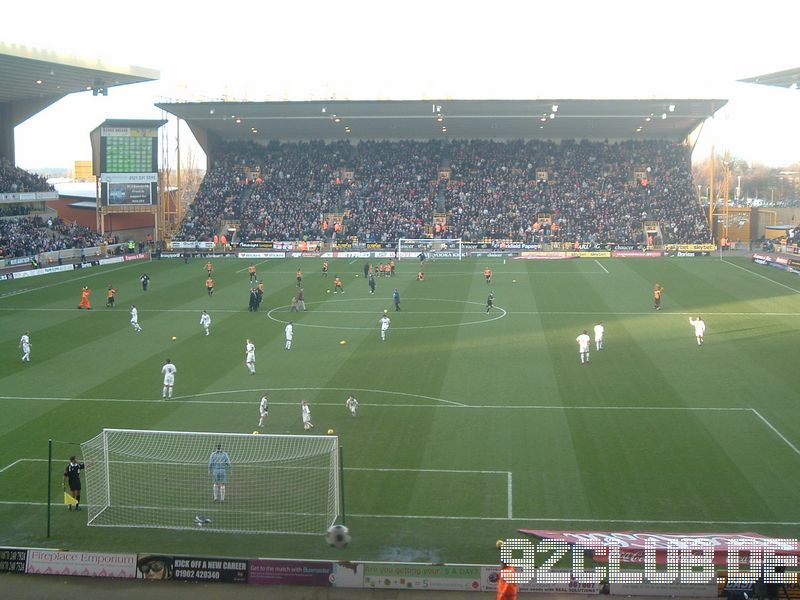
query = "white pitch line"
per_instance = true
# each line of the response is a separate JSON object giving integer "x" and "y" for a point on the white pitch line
{"x": 392, "y": 470}
{"x": 375, "y": 469}
{"x": 255, "y": 265}
{"x": 321, "y": 389}
{"x": 783, "y": 285}
{"x": 601, "y": 266}
{"x": 405, "y": 312}
{"x": 510, "y": 497}
{"x": 650, "y": 312}
{"x": 778, "y": 433}
{"x": 523, "y": 519}
{"x": 88, "y": 276}
{"x": 449, "y": 404}
{"x": 11, "y": 465}
{"x": 479, "y": 273}
{"x": 687, "y": 408}
{"x": 575, "y": 520}
{"x": 481, "y": 321}
{"x": 505, "y": 313}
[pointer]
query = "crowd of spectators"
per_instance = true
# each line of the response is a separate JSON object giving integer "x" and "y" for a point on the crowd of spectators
{"x": 219, "y": 196}
{"x": 14, "y": 180}
{"x": 296, "y": 184}
{"x": 496, "y": 189}
{"x": 32, "y": 236}
{"x": 14, "y": 210}
{"x": 393, "y": 191}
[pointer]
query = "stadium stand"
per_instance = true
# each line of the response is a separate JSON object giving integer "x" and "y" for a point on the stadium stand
{"x": 593, "y": 192}
{"x": 14, "y": 180}
{"x": 21, "y": 235}
{"x": 31, "y": 236}
{"x": 589, "y": 188}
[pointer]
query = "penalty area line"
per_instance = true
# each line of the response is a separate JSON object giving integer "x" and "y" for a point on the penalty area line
{"x": 510, "y": 496}
{"x": 371, "y": 469}
{"x": 519, "y": 519}
{"x": 394, "y": 470}
{"x": 783, "y": 285}
{"x": 775, "y": 431}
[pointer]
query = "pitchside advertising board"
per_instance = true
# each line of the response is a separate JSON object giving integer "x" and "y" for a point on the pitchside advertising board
{"x": 128, "y": 166}
{"x": 13, "y": 560}
{"x": 191, "y": 568}
{"x": 82, "y": 564}
{"x": 785, "y": 263}
{"x": 566, "y": 562}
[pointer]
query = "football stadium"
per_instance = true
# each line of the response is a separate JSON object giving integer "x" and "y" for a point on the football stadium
{"x": 369, "y": 355}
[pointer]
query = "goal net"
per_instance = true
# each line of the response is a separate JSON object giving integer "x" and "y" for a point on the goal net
{"x": 430, "y": 247}
{"x": 170, "y": 480}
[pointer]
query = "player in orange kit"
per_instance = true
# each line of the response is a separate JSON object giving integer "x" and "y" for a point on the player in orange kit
{"x": 85, "y": 299}
{"x": 112, "y": 292}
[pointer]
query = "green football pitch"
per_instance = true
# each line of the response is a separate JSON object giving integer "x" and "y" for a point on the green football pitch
{"x": 470, "y": 425}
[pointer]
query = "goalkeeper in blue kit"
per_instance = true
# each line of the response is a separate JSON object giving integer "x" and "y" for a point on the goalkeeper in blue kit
{"x": 219, "y": 465}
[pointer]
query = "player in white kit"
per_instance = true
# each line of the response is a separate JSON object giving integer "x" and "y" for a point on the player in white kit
{"x": 699, "y": 329}
{"x": 584, "y": 341}
{"x": 263, "y": 408}
{"x": 168, "y": 370}
{"x": 384, "y": 321}
{"x": 599, "y": 330}
{"x": 307, "y": 424}
{"x": 289, "y": 331}
{"x": 205, "y": 321}
{"x": 25, "y": 344}
{"x": 135, "y": 318}
{"x": 250, "y": 356}
{"x": 352, "y": 404}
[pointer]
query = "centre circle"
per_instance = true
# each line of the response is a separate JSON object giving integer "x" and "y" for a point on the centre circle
{"x": 500, "y": 313}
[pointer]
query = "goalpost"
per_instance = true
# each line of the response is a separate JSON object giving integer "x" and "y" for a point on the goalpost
{"x": 165, "y": 479}
{"x": 431, "y": 247}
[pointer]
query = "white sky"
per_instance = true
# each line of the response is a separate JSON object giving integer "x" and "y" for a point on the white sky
{"x": 272, "y": 50}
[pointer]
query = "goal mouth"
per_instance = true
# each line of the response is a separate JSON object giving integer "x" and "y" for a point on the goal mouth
{"x": 225, "y": 482}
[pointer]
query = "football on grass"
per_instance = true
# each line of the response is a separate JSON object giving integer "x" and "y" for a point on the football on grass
{"x": 338, "y": 536}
